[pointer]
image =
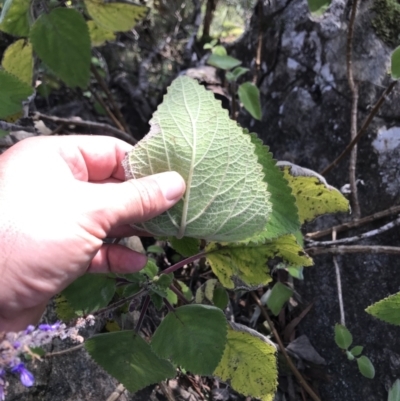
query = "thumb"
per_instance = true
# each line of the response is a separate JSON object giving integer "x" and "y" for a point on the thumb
{"x": 114, "y": 204}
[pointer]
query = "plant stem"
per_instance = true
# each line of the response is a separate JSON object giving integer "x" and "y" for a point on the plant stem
{"x": 145, "y": 306}
{"x": 184, "y": 262}
{"x": 292, "y": 366}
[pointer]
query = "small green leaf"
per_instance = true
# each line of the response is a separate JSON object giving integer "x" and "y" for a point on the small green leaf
{"x": 223, "y": 62}
{"x": 159, "y": 250}
{"x": 394, "y": 392}
{"x": 128, "y": 358}
{"x": 219, "y": 50}
{"x": 90, "y": 292}
{"x": 357, "y": 350}
{"x": 114, "y": 16}
{"x": 161, "y": 283}
{"x": 314, "y": 196}
{"x": 61, "y": 40}
{"x": 18, "y": 60}
{"x": 236, "y": 73}
{"x": 343, "y": 337}
{"x": 14, "y": 18}
{"x": 226, "y": 198}
{"x": 193, "y": 336}
{"x": 249, "y": 365}
{"x": 387, "y": 309}
{"x": 296, "y": 272}
{"x": 98, "y": 35}
{"x": 246, "y": 264}
{"x": 283, "y": 218}
{"x": 172, "y": 298}
{"x": 318, "y": 7}
{"x": 220, "y": 298}
{"x": 185, "y": 290}
{"x": 395, "y": 69}
{"x": 366, "y": 367}
{"x": 12, "y": 93}
{"x": 350, "y": 356}
{"x": 212, "y": 293}
{"x": 249, "y": 95}
{"x": 64, "y": 310}
{"x": 151, "y": 269}
{"x": 185, "y": 246}
{"x": 157, "y": 299}
{"x": 280, "y": 294}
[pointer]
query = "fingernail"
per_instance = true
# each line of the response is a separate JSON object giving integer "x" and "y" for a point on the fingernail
{"x": 172, "y": 185}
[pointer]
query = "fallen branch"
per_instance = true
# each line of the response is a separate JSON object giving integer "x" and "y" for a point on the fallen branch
{"x": 15, "y": 127}
{"x": 343, "y": 249}
{"x": 349, "y": 240}
{"x": 101, "y": 129}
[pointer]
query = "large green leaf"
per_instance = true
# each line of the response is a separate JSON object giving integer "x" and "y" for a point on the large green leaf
{"x": 114, "y": 16}
{"x": 395, "y": 70}
{"x": 18, "y": 60}
{"x": 280, "y": 294}
{"x": 14, "y": 18}
{"x": 249, "y": 95}
{"x": 249, "y": 365}
{"x": 343, "y": 337}
{"x": 318, "y": 7}
{"x": 283, "y": 218}
{"x": 387, "y": 309}
{"x": 193, "y": 336}
{"x": 246, "y": 264}
{"x": 314, "y": 196}
{"x": 12, "y": 93}
{"x": 90, "y": 292}
{"x": 61, "y": 39}
{"x": 128, "y": 358}
{"x": 185, "y": 246}
{"x": 394, "y": 392}
{"x": 226, "y": 198}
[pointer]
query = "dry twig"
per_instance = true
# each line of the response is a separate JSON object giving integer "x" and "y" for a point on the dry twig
{"x": 343, "y": 249}
{"x": 101, "y": 129}
{"x": 15, "y": 127}
{"x": 289, "y": 361}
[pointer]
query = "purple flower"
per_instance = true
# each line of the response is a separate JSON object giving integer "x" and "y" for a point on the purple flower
{"x": 26, "y": 377}
{"x": 49, "y": 327}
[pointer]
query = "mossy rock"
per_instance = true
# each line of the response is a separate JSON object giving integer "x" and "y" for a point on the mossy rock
{"x": 387, "y": 20}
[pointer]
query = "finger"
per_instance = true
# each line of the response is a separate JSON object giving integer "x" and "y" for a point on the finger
{"x": 133, "y": 201}
{"x": 117, "y": 259}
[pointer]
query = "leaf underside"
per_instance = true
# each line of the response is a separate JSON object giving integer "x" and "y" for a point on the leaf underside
{"x": 226, "y": 198}
{"x": 249, "y": 365}
{"x": 387, "y": 309}
{"x": 128, "y": 358}
{"x": 193, "y": 336}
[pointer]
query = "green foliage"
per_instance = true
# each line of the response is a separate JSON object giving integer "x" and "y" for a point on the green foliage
{"x": 13, "y": 92}
{"x": 188, "y": 330}
{"x": 387, "y": 309}
{"x": 394, "y": 392}
{"x": 357, "y": 350}
{"x": 249, "y": 95}
{"x": 128, "y": 358}
{"x": 90, "y": 292}
{"x": 284, "y": 217}
{"x": 318, "y": 7}
{"x": 395, "y": 68}
{"x": 366, "y": 367}
{"x": 224, "y": 62}
{"x": 280, "y": 294}
{"x": 314, "y": 196}
{"x": 232, "y": 201}
{"x": 115, "y": 16}
{"x": 98, "y": 35}
{"x": 249, "y": 365}
{"x": 14, "y": 18}
{"x": 61, "y": 40}
{"x": 185, "y": 246}
{"x": 18, "y": 60}
{"x": 246, "y": 264}
{"x": 212, "y": 293}
{"x": 343, "y": 337}
{"x": 236, "y": 73}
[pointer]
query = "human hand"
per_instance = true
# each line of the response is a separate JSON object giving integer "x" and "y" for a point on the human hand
{"x": 59, "y": 198}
